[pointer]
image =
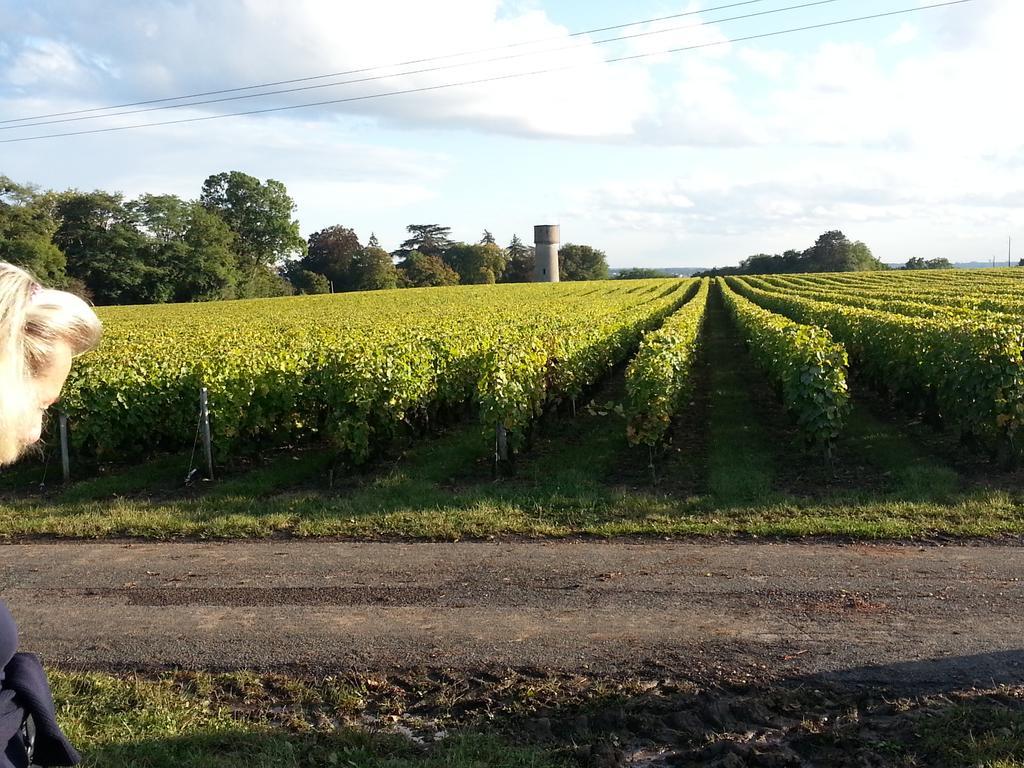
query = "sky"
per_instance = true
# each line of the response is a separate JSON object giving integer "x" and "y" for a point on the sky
{"x": 904, "y": 132}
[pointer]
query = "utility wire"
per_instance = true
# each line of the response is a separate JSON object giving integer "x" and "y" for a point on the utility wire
{"x": 493, "y": 79}
{"x": 382, "y": 66}
{"x": 418, "y": 71}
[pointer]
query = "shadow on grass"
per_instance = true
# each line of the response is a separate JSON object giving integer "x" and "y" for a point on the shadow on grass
{"x": 951, "y": 712}
{"x": 280, "y": 749}
{"x": 955, "y": 712}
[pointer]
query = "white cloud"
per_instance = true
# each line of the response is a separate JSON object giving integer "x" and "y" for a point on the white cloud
{"x": 766, "y": 63}
{"x": 907, "y": 33}
{"x": 45, "y": 61}
{"x": 169, "y": 49}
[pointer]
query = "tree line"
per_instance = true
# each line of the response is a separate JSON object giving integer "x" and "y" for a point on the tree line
{"x": 238, "y": 239}
{"x": 832, "y": 252}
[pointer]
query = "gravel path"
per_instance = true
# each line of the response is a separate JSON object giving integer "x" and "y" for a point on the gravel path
{"x": 866, "y": 613}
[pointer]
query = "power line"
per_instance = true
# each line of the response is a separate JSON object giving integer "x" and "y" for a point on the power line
{"x": 416, "y": 71}
{"x": 492, "y": 79}
{"x": 380, "y": 66}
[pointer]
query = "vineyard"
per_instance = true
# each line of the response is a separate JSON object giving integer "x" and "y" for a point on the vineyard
{"x": 354, "y": 369}
{"x": 657, "y": 402}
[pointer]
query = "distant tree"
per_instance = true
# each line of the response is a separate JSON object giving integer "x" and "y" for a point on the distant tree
{"x": 260, "y": 215}
{"x": 833, "y": 252}
{"x": 639, "y": 273}
{"x": 487, "y": 239}
{"x": 419, "y": 270}
{"x": 519, "y": 262}
{"x": 582, "y": 262}
{"x": 207, "y": 268}
{"x": 330, "y": 252}
{"x": 106, "y": 251}
{"x": 428, "y": 239}
{"x": 373, "y": 242}
{"x": 160, "y": 217}
{"x": 917, "y": 262}
{"x": 476, "y": 264}
{"x": 27, "y": 225}
{"x": 373, "y": 269}
{"x": 191, "y": 245}
{"x": 306, "y": 282}
{"x": 1020, "y": 263}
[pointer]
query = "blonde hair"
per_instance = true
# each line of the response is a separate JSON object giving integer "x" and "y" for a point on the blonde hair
{"x": 32, "y": 321}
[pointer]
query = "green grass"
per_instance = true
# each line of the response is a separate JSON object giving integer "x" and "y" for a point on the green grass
{"x": 741, "y": 464}
{"x": 735, "y": 468}
{"x": 131, "y": 722}
{"x": 554, "y": 494}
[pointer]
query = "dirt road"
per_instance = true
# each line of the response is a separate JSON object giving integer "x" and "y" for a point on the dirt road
{"x": 863, "y": 612}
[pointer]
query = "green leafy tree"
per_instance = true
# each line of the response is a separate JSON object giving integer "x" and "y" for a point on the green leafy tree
{"x": 488, "y": 238}
{"x": 917, "y": 262}
{"x": 428, "y": 239}
{"x": 476, "y": 264}
{"x": 190, "y": 244}
{"x": 373, "y": 269}
{"x": 306, "y": 282}
{"x": 330, "y": 252}
{"x": 206, "y": 268}
{"x": 582, "y": 262}
{"x": 260, "y": 215}
{"x": 833, "y": 252}
{"x": 420, "y": 270}
{"x": 638, "y": 273}
{"x": 107, "y": 251}
{"x": 27, "y": 226}
{"x": 519, "y": 262}
{"x": 160, "y": 217}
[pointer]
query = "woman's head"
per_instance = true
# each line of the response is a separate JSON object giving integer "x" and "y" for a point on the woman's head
{"x": 41, "y": 331}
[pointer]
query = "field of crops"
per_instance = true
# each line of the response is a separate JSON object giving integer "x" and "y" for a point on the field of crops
{"x": 353, "y": 368}
{"x": 356, "y": 369}
{"x": 947, "y": 345}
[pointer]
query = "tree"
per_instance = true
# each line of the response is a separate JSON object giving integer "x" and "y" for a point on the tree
{"x": 373, "y": 269}
{"x": 27, "y": 227}
{"x": 476, "y": 264}
{"x": 330, "y": 252}
{"x": 191, "y": 245}
{"x": 639, "y": 273}
{"x": 419, "y": 270}
{"x": 160, "y": 217}
{"x": 833, "y": 252}
{"x": 260, "y": 215}
{"x": 487, "y": 238}
{"x": 519, "y": 262}
{"x": 428, "y": 239}
{"x": 917, "y": 262}
{"x": 106, "y": 250}
{"x": 373, "y": 242}
{"x": 206, "y": 268}
{"x": 582, "y": 262}
{"x": 306, "y": 282}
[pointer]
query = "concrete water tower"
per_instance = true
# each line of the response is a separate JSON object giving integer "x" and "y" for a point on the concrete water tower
{"x": 545, "y": 241}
